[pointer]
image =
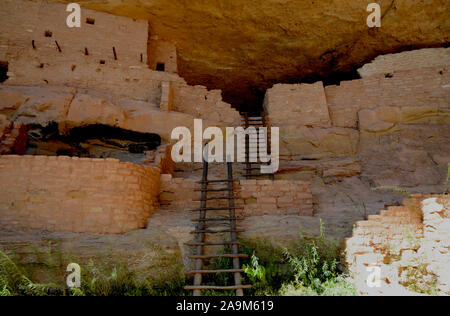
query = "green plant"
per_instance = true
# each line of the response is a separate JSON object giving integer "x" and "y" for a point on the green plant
{"x": 13, "y": 281}
{"x": 108, "y": 276}
{"x": 420, "y": 281}
{"x": 315, "y": 267}
{"x": 338, "y": 286}
{"x": 315, "y": 262}
{"x": 5, "y": 291}
{"x": 307, "y": 265}
{"x": 254, "y": 271}
{"x": 270, "y": 257}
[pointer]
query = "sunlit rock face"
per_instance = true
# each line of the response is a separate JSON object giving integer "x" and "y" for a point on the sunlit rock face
{"x": 245, "y": 46}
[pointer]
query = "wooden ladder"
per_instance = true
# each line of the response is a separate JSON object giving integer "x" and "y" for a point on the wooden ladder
{"x": 251, "y": 147}
{"x": 203, "y": 230}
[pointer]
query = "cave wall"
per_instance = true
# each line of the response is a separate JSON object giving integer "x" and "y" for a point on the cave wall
{"x": 396, "y": 125}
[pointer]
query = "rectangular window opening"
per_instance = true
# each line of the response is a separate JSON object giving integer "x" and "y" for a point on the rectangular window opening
{"x": 3, "y": 71}
{"x": 160, "y": 67}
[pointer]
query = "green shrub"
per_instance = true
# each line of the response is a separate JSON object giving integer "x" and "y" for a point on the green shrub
{"x": 308, "y": 266}
{"x": 14, "y": 282}
{"x": 105, "y": 277}
{"x": 254, "y": 271}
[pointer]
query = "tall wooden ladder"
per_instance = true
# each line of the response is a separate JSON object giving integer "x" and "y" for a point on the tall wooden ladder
{"x": 204, "y": 230}
{"x": 252, "y": 146}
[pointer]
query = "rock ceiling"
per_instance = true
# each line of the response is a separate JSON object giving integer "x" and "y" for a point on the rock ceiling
{"x": 245, "y": 46}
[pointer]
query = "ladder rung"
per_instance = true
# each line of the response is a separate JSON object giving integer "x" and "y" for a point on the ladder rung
{"x": 215, "y": 287}
{"x": 219, "y": 243}
{"x": 215, "y": 271}
{"x": 240, "y": 255}
{"x": 260, "y": 174}
{"x": 214, "y": 198}
{"x": 212, "y": 190}
{"x": 222, "y": 208}
{"x": 215, "y": 181}
{"x": 207, "y": 231}
{"x": 218, "y": 219}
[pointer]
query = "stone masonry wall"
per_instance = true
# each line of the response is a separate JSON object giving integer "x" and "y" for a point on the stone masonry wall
{"x": 208, "y": 105}
{"x": 279, "y": 197}
{"x": 76, "y": 195}
{"x": 162, "y": 52}
{"x": 254, "y": 197}
{"x": 395, "y": 125}
{"x": 400, "y": 241}
{"x": 13, "y": 137}
{"x": 85, "y": 59}
{"x": 435, "y": 245}
{"x": 178, "y": 193}
{"x": 390, "y": 63}
{"x": 23, "y": 22}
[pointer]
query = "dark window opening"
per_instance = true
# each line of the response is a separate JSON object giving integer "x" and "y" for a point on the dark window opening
{"x": 48, "y": 34}
{"x": 74, "y": 67}
{"x": 3, "y": 71}
{"x": 90, "y": 21}
{"x": 41, "y": 66}
{"x": 336, "y": 78}
{"x": 160, "y": 67}
{"x": 388, "y": 75}
{"x": 102, "y": 62}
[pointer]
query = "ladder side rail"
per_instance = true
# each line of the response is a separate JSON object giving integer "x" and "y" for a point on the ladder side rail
{"x": 233, "y": 235}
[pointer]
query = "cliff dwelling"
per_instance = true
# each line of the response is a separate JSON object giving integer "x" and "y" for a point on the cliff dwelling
{"x": 357, "y": 119}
